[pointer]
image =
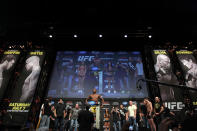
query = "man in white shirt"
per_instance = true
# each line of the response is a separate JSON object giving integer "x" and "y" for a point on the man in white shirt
{"x": 131, "y": 116}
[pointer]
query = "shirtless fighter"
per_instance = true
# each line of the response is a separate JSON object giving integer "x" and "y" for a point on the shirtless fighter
{"x": 149, "y": 114}
{"x": 95, "y": 97}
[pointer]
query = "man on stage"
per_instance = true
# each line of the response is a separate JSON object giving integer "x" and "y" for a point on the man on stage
{"x": 131, "y": 117}
{"x": 149, "y": 114}
{"x": 94, "y": 100}
{"x": 95, "y": 97}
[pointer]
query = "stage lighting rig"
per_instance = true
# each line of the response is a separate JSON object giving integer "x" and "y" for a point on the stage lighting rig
{"x": 139, "y": 87}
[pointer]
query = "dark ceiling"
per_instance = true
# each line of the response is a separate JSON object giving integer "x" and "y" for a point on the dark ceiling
{"x": 164, "y": 19}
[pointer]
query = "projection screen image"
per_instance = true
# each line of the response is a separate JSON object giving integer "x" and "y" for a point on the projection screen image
{"x": 113, "y": 74}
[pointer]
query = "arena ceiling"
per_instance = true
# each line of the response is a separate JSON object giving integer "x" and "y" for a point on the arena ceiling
{"x": 165, "y": 20}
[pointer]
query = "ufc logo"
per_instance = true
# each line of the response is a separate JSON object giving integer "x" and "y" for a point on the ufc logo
{"x": 174, "y": 105}
{"x": 85, "y": 58}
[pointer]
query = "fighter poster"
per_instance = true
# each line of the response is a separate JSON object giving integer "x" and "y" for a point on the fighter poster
{"x": 189, "y": 67}
{"x": 7, "y": 65}
{"x": 24, "y": 89}
{"x": 112, "y": 74}
{"x": 164, "y": 74}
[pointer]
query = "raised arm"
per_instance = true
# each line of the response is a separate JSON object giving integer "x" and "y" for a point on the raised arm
{"x": 102, "y": 100}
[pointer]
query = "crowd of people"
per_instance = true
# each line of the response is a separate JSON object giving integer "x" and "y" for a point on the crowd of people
{"x": 145, "y": 116}
{"x": 150, "y": 115}
{"x": 64, "y": 118}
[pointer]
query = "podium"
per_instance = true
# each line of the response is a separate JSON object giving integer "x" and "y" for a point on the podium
{"x": 98, "y": 117}
{"x": 96, "y": 110}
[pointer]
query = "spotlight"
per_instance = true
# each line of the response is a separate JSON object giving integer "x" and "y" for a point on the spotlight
{"x": 75, "y": 36}
{"x": 50, "y": 36}
{"x": 125, "y": 36}
{"x": 10, "y": 47}
{"x": 150, "y": 36}
{"x": 100, "y": 36}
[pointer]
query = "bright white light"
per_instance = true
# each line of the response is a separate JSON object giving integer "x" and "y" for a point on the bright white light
{"x": 125, "y": 36}
{"x": 75, "y": 36}
{"x": 100, "y": 36}
{"x": 150, "y": 36}
{"x": 10, "y": 47}
{"x": 50, "y": 36}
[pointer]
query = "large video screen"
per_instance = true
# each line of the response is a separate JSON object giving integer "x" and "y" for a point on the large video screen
{"x": 165, "y": 74}
{"x": 7, "y": 65}
{"x": 113, "y": 74}
{"x": 189, "y": 67}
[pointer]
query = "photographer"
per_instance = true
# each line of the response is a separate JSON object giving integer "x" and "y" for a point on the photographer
{"x": 116, "y": 118}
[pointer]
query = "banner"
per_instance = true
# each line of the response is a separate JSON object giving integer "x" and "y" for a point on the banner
{"x": 25, "y": 87}
{"x": 7, "y": 65}
{"x": 189, "y": 68}
{"x": 164, "y": 74}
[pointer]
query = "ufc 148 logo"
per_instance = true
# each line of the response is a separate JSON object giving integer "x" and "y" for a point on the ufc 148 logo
{"x": 174, "y": 105}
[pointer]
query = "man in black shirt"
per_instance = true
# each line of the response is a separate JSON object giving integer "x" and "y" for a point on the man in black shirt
{"x": 61, "y": 114}
{"x": 85, "y": 119}
{"x": 122, "y": 115}
{"x": 158, "y": 109}
{"x": 187, "y": 114}
{"x": 53, "y": 117}
{"x": 67, "y": 118}
{"x": 116, "y": 118}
